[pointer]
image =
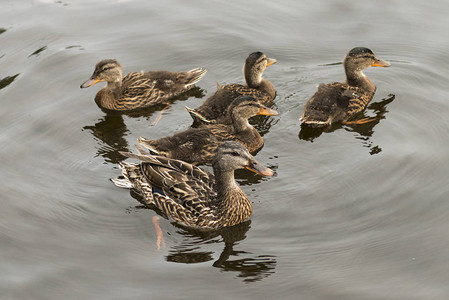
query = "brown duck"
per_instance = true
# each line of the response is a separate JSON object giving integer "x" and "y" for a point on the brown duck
{"x": 339, "y": 101}
{"x": 198, "y": 145}
{"x": 190, "y": 195}
{"x": 215, "y": 108}
{"x": 138, "y": 89}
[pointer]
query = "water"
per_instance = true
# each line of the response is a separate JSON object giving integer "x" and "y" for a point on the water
{"x": 355, "y": 212}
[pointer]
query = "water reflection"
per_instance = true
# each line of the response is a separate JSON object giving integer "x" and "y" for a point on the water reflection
{"x": 263, "y": 123}
{"x": 191, "y": 250}
{"x": 111, "y": 129}
{"x": 5, "y": 81}
{"x": 38, "y": 51}
{"x": 249, "y": 266}
{"x": 79, "y": 47}
{"x": 245, "y": 177}
{"x": 365, "y": 131}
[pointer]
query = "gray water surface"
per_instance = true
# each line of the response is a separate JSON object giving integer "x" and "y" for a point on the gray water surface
{"x": 353, "y": 212}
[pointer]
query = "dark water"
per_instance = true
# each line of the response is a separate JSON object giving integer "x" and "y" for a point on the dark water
{"x": 356, "y": 212}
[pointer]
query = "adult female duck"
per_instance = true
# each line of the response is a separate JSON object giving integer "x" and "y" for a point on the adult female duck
{"x": 190, "y": 195}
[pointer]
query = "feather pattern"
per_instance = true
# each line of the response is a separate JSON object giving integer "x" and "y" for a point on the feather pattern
{"x": 333, "y": 102}
{"x": 190, "y": 195}
{"x": 139, "y": 89}
{"x": 340, "y": 101}
{"x": 198, "y": 145}
{"x": 215, "y": 108}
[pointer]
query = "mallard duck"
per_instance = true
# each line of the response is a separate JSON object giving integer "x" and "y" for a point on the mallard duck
{"x": 214, "y": 109}
{"x": 339, "y": 101}
{"x": 138, "y": 89}
{"x": 198, "y": 145}
{"x": 190, "y": 195}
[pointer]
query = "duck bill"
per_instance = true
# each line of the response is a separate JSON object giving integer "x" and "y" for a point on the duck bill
{"x": 89, "y": 82}
{"x": 271, "y": 61}
{"x": 257, "y": 168}
{"x": 380, "y": 63}
{"x": 265, "y": 111}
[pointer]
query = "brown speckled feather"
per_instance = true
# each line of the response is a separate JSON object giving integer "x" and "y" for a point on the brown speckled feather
{"x": 334, "y": 102}
{"x": 186, "y": 193}
{"x": 183, "y": 191}
{"x": 340, "y": 101}
{"x": 140, "y": 90}
{"x": 215, "y": 108}
{"x": 198, "y": 145}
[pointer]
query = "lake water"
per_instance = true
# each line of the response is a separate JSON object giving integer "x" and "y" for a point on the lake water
{"x": 353, "y": 212}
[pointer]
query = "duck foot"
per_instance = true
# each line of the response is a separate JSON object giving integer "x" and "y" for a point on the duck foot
{"x": 358, "y": 122}
{"x": 159, "y": 116}
{"x": 160, "y": 236}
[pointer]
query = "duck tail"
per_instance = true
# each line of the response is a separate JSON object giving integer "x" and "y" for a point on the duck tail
{"x": 148, "y": 144}
{"x": 142, "y": 157}
{"x": 196, "y": 116}
{"x": 126, "y": 182}
{"x": 141, "y": 150}
{"x": 135, "y": 179}
{"x": 194, "y": 75}
{"x": 314, "y": 121}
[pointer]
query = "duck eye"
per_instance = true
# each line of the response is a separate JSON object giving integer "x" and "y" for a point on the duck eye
{"x": 234, "y": 153}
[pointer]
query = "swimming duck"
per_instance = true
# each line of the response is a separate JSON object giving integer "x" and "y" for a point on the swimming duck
{"x": 138, "y": 89}
{"x": 339, "y": 101}
{"x": 198, "y": 145}
{"x": 214, "y": 109}
{"x": 190, "y": 195}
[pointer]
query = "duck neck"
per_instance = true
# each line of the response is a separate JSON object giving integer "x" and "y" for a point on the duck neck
{"x": 253, "y": 79}
{"x": 267, "y": 87}
{"x": 256, "y": 81}
{"x": 240, "y": 124}
{"x": 234, "y": 206}
{"x": 115, "y": 86}
{"x": 225, "y": 182}
{"x": 356, "y": 78}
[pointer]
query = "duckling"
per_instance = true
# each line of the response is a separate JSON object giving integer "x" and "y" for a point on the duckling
{"x": 138, "y": 89}
{"x": 339, "y": 101}
{"x": 198, "y": 145}
{"x": 190, "y": 195}
{"x": 214, "y": 109}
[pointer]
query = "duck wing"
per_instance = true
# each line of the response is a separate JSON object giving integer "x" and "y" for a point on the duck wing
{"x": 215, "y": 108}
{"x": 195, "y": 145}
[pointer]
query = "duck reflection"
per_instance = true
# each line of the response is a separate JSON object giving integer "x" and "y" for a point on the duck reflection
{"x": 250, "y": 267}
{"x": 111, "y": 129}
{"x": 190, "y": 250}
{"x": 365, "y": 131}
{"x": 245, "y": 177}
{"x": 263, "y": 123}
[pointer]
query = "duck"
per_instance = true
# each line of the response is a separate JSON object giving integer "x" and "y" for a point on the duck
{"x": 198, "y": 145}
{"x": 215, "y": 108}
{"x": 340, "y": 101}
{"x": 138, "y": 89}
{"x": 190, "y": 195}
